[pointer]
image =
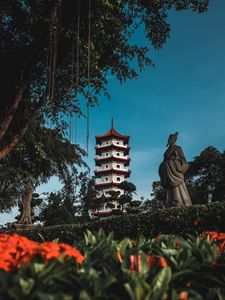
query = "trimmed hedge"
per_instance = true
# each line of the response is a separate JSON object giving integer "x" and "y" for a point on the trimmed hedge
{"x": 179, "y": 221}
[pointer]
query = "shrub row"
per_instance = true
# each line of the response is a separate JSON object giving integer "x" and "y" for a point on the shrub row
{"x": 178, "y": 221}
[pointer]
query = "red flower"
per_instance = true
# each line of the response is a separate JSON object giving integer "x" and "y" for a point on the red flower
{"x": 119, "y": 256}
{"x": 163, "y": 262}
{"x": 72, "y": 252}
{"x": 49, "y": 250}
{"x": 206, "y": 209}
{"x": 135, "y": 262}
{"x": 16, "y": 251}
{"x": 151, "y": 260}
{"x": 196, "y": 222}
{"x": 217, "y": 237}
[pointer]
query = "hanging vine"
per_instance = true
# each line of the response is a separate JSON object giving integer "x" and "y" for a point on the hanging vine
{"x": 88, "y": 75}
{"x": 53, "y": 46}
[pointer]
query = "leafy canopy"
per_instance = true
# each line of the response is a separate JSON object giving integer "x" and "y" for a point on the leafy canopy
{"x": 46, "y": 45}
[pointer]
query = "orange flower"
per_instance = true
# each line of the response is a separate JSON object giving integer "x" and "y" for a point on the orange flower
{"x": 163, "y": 262}
{"x": 72, "y": 252}
{"x": 183, "y": 295}
{"x": 119, "y": 256}
{"x": 16, "y": 251}
{"x": 177, "y": 242}
{"x": 49, "y": 250}
{"x": 151, "y": 260}
{"x": 135, "y": 262}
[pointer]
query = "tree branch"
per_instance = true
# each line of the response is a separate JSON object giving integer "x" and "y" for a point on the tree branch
{"x": 15, "y": 140}
{"x": 8, "y": 119}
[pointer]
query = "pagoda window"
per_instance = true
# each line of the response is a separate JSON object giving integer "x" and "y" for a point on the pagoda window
{"x": 106, "y": 166}
{"x": 107, "y": 154}
{"x": 118, "y": 178}
{"x": 118, "y": 154}
{"x": 107, "y": 143}
{"x": 118, "y": 166}
{"x": 106, "y": 179}
{"x": 118, "y": 143}
{"x": 118, "y": 206}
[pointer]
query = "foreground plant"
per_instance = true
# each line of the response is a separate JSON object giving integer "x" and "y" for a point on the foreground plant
{"x": 167, "y": 267}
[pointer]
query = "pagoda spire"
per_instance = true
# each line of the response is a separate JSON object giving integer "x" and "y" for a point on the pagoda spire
{"x": 112, "y": 127}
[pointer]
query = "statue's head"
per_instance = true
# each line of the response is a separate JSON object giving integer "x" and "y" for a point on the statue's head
{"x": 172, "y": 139}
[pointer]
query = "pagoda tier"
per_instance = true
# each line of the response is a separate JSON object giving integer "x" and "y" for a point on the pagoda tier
{"x": 112, "y": 158}
{"x": 105, "y": 172}
{"x": 112, "y": 146}
{"x": 112, "y": 133}
{"x": 107, "y": 184}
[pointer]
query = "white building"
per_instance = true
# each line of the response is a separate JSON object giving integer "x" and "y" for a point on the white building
{"x": 112, "y": 162}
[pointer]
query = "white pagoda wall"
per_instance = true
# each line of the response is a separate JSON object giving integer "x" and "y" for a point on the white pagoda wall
{"x": 112, "y": 177}
{"x": 113, "y": 165}
{"x": 113, "y": 141}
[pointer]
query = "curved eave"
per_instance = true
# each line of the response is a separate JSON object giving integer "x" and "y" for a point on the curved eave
{"x": 99, "y": 173}
{"x": 107, "y": 184}
{"x": 112, "y": 133}
{"x": 97, "y": 213}
{"x": 100, "y": 160}
{"x": 99, "y": 150}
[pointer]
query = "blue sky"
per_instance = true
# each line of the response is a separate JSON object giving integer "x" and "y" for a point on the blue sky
{"x": 185, "y": 92}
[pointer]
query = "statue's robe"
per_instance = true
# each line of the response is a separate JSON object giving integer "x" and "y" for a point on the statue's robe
{"x": 171, "y": 172}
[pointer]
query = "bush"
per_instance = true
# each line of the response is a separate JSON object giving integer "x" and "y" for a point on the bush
{"x": 179, "y": 221}
{"x": 165, "y": 268}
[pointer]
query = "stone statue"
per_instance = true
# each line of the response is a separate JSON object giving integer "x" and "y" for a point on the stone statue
{"x": 171, "y": 172}
{"x": 25, "y": 218}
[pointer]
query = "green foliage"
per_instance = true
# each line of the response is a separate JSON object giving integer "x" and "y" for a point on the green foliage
{"x": 129, "y": 189}
{"x": 166, "y": 267}
{"x": 206, "y": 176}
{"x": 43, "y": 153}
{"x": 45, "y": 59}
{"x": 181, "y": 221}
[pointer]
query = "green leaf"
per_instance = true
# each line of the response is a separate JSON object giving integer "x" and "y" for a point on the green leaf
{"x": 26, "y": 285}
{"x": 161, "y": 283}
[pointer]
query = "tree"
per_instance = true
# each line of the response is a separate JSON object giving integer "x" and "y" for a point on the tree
{"x": 62, "y": 207}
{"x": 54, "y": 211}
{"x": 87, "y": 195}
{"x": 35, "y": 207}
{"x": 129, "y": 189}
{"x": 151, "y": 204}
{"x": 206, "y": 176}
{"x": 43, "y": 153}
{"x": 55, "y": 51}
{"x": 158, "y": 192}
{"x": 134, "y": 207}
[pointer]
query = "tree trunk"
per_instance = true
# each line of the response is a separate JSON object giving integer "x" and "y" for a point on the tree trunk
{"x": 8, "y": 119}
{"x": 25, "y": 218}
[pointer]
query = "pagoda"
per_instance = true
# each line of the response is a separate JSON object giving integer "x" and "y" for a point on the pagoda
{"x": 112, "y": 161}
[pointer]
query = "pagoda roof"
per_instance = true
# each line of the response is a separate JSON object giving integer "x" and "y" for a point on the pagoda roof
{"x": 113, "y": 170}
{"x": 114, "y": 133}
{"x": 100, "y": 149}
{"x": 126, "y": 160}
{"x": 106, "y": 184}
